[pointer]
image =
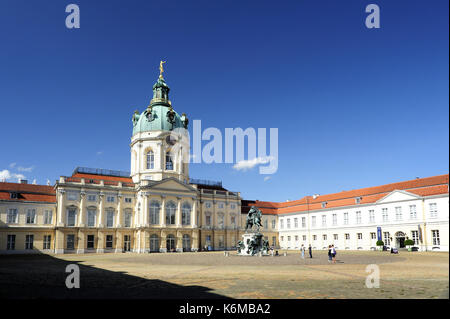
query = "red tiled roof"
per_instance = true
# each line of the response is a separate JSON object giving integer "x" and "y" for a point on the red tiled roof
{"x": 421, "y": 186}
{"x": 27, "y": 192}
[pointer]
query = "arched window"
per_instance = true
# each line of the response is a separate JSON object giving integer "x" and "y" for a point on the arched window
{"x": 169, "y": 162}
{"x": 150, "y": 159}
{"x": 91, "y": 217}
{"x": 170, "y": 243}
{"x": 154, "y": 213}
{"x": 110, "y": 217}
{"x": 186, "y": 214}
{"x": 170, "y": 213}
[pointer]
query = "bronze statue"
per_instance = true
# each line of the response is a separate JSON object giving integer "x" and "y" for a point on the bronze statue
{"x": 254, "y": 217}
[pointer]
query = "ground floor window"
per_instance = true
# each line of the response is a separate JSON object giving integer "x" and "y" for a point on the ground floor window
{"x": 335, "y": 236}
{"x": 415, "y": 237}
{"x": 170, "y": 243}
{"x": 11, "y": 242}
{"x": 126, "y": 243}
{"x": 70, "y": 242}
{"x": 221, "y": 241}
{"x": 359, "y": 236}
{"x": 109, "y": 241}
{"x": 387, "y": 239}
{"x": 304, "y": 237}
{"x": 324, "y": 237}
{"x": 436, "y": 239}
{"x": 347, "y": 236}
{"x": 90, "y": 241}
{"x": 186, "y": 242}
{"x": 29, "y": 239}
{"x": 47, "y": 241}
{"x": 154, "y": 243}
{"x": 314, "y": 237}
{"x": 274, "y": 241}
{"x": 373, "y": 235}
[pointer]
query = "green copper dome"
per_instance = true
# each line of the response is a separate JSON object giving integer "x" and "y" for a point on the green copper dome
{"x": 159, "y": 115}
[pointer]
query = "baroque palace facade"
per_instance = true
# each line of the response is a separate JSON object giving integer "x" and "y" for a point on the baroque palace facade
{"x": 154, "y": 208}
{"x": 158, "y": 208}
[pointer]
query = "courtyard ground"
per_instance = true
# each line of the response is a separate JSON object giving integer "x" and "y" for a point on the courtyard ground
{"x": 212, "y": 275}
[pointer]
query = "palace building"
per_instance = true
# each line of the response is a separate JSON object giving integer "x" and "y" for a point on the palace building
{"x": 157, "y": 207}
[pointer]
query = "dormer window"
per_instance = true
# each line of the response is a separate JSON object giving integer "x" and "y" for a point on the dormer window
{"x": 324, "y": 204}
{"x": 14, "y": 195}
{"x": 358, "y": 200}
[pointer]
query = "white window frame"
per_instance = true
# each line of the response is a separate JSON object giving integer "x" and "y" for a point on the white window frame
{"x": 12, "y": 212}
{"x": 412, "y": 212}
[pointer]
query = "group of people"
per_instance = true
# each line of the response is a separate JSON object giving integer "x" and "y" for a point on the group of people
{"x": 331, "y": 254}
{"x": 302, "y": 250}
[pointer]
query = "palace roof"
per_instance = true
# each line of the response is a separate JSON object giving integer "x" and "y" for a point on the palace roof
{"x": 27, "y": 192}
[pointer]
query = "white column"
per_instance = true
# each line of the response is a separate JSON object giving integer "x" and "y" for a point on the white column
{"x": 100, "y": 211}
{"x": 178, "y": 213}
{"x": 162, "y": 213}
{"x": 82, "y": 209}
{"x": 119, "y": 211}
{"x": 61, "y": 208}
{"x": 194, "y": 213}
{"x": 145, "y": 211}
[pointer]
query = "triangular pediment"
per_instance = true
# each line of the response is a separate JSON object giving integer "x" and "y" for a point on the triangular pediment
{"x": 172, "y": 184}
{"x": 397, "y": 195}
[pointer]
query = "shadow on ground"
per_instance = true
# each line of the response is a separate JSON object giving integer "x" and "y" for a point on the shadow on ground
{"x": 43, "y": 277}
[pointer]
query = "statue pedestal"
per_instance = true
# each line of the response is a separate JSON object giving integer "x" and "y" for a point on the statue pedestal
{"x": 252, "y": 244}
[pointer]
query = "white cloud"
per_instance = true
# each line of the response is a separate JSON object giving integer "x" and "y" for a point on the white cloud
{"x": 99, "y": 152}
{"x": 25, "y": 169}
{"x": 7, "y": 175}
{"x": 34, "y": 181}
{"x": 267, "y": 178}
{"x": 249, "y": 164}
{"x": 12, "y": 165}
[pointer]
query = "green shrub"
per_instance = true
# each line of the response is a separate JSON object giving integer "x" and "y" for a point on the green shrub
{"x": 409, "y": 242}
{"x": 380, "y": 243}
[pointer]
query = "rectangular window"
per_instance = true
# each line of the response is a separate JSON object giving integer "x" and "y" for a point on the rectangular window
{"x": 71, "y": 214}
{"x": 281, "y": 223}
{"x": 303, "y": 222}
{"x": 169, "y": 163}
{"x": 91, "y": 218}
{"x": 398, "y": 213}
{"x": 11, "y": 242}
{"x": 208, "y": 204}
{"x": 359, "y": 236}
{"x": 436, "y": 239}
{"x": 282, "y": 238}
{"x": 345, "y": 218}
{"x": 72, "y": 196}
{"x": 127, "y": 220}
{"x": 289, "y": 238}
{"x": 208, "y": 220}
{"x": 274, "y": 241}
{"x": 387, "y": 239}
{"x": 372, "y": 216}
{"x": 110, "y": 219}
{"x": 347, "y": 236}
{"x": 29, "y": 239}
{"x": 110, "y": 199}
{"x": 433, "y": 210}
{"x": 109, "y": 241}
{"x": 288, "y": 223}
{"x": 335, "y": 236}
{"x": 91, "y": 198}
{"x": 48, "y": 216}
{"x": 334, "y": 219}
{"x": 412, "y": 212}
{"x": 90, "y": 242}
{"x": 12, "y": 216}
{"x": 273, "y": 224}
{"x": 266, "y": 224}
{"x": 373, "y": 235}
{"x": 70, "y": 242}
{"x": 313, "y": 221}
{"x": 128, "y": 200}
{"x": 31, "y": 216}
{"x": 233, "y": 221}
{"x": 324, "y": 220}
{"x": 295, "y": 222}
{"x": 296, "y": 238}
{"x": 304, "y": 237}
{"x": 385, "y": 214}
{"x": 314, "y": 237}
{"x": 415, "y": 237}
{"x": 358, "y": 217}
{"x": 47, "y": 241}
{"x": 324, "y": 237}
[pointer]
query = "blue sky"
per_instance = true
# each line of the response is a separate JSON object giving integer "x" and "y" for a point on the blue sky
{"x": 355, "y": 107}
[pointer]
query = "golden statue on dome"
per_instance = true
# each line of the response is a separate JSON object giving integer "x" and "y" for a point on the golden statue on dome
{"x": 161, "y": 68}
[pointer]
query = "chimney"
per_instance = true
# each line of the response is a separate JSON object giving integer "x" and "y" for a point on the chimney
{"x": 23, "y": 181}
{"x": 315, "y": 196}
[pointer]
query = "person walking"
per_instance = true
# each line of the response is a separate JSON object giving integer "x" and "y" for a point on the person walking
{"x": 333, "y": 254}
{"x": 310, "y": 251}
{"x": 329, "y": 254}
{"x": 303, "y": 251}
